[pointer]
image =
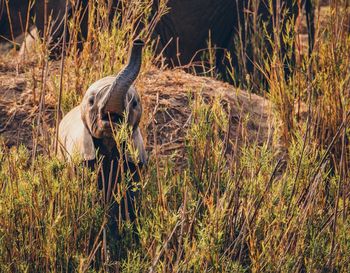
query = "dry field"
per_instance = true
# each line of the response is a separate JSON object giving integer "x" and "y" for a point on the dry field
{"x": 237, "y": 181}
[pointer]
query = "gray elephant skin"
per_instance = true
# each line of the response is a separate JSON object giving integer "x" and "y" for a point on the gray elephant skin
{"x": 188, "y": 24}
{"x": 87, "y": 130}
{"x": 28, "y": 13}
{"x": 15, "y": 15}
{"x": 184, "y": 31}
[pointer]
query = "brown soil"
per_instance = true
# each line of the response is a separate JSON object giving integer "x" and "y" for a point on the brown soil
{"x": 167, "y": 110}
{"x": 167, "y": 96}
{"x": 18, "y": 110}
{"x": 14, "y": 121}
{"x": 166, "y": 101}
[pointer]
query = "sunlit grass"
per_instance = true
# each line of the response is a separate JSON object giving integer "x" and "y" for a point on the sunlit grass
{"x": 261, "y": 208}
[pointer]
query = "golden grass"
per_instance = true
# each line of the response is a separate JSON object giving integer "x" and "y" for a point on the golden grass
{"x": 235, "y": 183}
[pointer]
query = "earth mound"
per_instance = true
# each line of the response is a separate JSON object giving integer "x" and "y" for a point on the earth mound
{"x": 166, "y": 95}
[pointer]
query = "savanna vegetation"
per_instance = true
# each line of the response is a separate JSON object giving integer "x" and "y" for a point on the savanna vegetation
{"x": 280, "y": 204}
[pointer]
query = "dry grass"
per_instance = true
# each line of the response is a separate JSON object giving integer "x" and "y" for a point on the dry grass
{"x": 236, "y": 182}
{"x": 167, "y": 97}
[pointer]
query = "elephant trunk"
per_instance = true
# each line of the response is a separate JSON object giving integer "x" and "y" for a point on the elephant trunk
{"x": 125, "y": 78}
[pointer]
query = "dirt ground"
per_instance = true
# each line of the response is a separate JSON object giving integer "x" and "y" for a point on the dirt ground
{"x": 166, "y": 99}
{"x": 167, "y": 94}
{"x": 15, "y": 119}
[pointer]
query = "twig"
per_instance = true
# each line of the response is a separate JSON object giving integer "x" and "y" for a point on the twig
{"x": 61, "y": 78}
{"x": 156, "y": 260}
{"x": 161, "y": 200}
{"x": 334, "y": 228}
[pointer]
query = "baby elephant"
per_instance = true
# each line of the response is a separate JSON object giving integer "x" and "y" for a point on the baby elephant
{"x": 88, "y": 131}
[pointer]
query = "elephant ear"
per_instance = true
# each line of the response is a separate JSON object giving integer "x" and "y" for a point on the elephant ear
{"x": 139, "y": 146}
{"x": 74, "y": 137}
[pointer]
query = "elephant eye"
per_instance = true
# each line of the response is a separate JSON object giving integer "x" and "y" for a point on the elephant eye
{"x": 91, "y": 100}
{"x": 134, "y": 104}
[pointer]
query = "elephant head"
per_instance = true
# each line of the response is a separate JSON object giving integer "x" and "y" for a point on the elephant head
{"x": 103, "y": 106}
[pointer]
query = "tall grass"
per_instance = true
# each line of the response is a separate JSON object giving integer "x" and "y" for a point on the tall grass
{"x": 253, "y": 208}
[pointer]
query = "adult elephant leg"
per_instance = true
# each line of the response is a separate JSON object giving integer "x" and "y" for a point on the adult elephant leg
{"x": 288, "y": 49}
{"x": 50, "y": 19}
{"x": 227, "y": 62}
{"x": 50, "y": 16}
{"x": 165, "y": 34}
{"x": 184, "y": 32}
{"x": 233, "y": 44}
{"x": 14, "y": 15}
{"x": 310, "y": 20}
{"x": 279, "y": 37}
{"x": 259, "y": 38}
{"x": 289, "y": 12}
{"x": 256, "y": 33}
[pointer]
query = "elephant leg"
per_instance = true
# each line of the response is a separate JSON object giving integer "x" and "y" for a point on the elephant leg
{"x": 124, "y": 209}
{"x": 258, "y": 36}
{"x": 288, "y": 49}
{"x": 128, "y": 204}
{"x": 109, "y": 175}
{"x": 277, "y": 26}
{"x": 233, "y": 69}
{"x": 13, "y": 20}
{"x": 310, "y": 18}
{"x": 50, "y": 22}
{"x": 290, "y": 12}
